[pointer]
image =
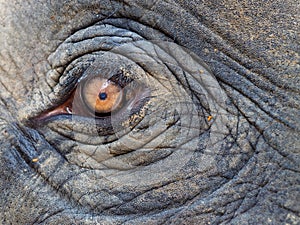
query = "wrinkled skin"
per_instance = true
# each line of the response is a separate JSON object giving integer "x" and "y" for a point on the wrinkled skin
{"x": 218, "y": 143}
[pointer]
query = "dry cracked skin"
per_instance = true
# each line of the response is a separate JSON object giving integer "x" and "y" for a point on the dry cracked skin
{"x": 154, "y": 112}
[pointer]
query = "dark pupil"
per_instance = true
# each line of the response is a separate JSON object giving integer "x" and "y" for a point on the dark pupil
{"x": 102, "y": 96}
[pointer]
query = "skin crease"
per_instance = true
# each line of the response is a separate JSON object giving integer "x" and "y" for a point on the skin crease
{"x": 252, "y": 49}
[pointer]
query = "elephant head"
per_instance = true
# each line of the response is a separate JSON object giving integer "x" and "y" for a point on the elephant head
{"x": 154, "y": 112}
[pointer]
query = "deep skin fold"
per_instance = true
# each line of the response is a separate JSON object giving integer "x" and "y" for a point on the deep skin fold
{"x": 247, "y": 55}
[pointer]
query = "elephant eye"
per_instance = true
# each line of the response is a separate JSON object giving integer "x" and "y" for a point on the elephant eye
{"x": 102, "y": 96}
{"x": 99, "y": 97}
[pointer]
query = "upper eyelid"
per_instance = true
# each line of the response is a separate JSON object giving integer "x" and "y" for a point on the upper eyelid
{"x": 116, "y": 30}
{"x": 68, "y": 51}
{"x": 80, "y": 43}
{"x": 109, "y": 28}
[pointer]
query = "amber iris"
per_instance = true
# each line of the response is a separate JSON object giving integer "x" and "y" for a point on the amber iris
{"x": 102, "y": 95}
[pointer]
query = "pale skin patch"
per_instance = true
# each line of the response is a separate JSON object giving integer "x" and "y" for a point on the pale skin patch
{"x": 34, "y": 160}
{"x": 209, "y": 118}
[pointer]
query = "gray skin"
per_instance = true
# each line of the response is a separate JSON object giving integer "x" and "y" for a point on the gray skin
{"x": 236, "y": 61}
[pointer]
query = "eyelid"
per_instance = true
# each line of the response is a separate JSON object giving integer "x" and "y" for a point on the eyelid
{"x": 101, "y": 37}
{"x": 68, "y": 79}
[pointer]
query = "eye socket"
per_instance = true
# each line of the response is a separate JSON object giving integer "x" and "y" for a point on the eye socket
{"x": 176, "y": 82}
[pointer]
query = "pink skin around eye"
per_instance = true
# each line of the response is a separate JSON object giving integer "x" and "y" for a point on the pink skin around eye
{"x": 65, "y": 108}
